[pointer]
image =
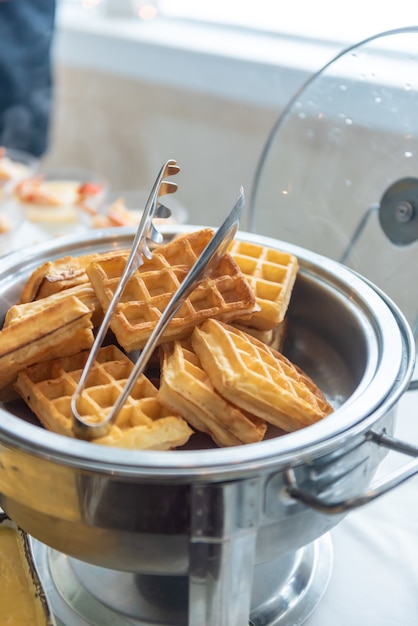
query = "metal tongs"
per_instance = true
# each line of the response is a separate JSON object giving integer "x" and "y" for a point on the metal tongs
{"x": 202, "y": 268}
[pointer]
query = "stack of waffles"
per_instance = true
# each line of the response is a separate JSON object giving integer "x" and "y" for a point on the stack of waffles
{"x": 218, "y": 368}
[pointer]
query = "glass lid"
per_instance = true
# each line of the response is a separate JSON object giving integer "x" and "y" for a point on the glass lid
{"x": 339, "y": 171}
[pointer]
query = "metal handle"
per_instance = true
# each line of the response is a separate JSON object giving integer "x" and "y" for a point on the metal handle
{"x": 379, "y": 488}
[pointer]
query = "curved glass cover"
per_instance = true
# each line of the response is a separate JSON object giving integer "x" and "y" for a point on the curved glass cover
{"x": 339, "y": 171}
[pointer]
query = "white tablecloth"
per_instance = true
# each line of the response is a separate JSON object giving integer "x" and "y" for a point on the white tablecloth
{"x": 374, "y": 581}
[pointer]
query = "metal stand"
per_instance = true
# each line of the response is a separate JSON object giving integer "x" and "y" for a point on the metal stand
{"x": 284, "y": 592}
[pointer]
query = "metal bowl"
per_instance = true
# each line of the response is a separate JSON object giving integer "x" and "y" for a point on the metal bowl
{"x": 192, "y": 511}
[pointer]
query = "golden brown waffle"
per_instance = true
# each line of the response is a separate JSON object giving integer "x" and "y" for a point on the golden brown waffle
{"x": 60, "y": 328}
{"x": 224, "y": 295}
{"x": 273, "y": 338}
{"x": 257, "y": 378}
{"x": 186, "y": 389}
{"x": 271, "y": 274}
{"x": 55, "y": 276}
{"x": 142, "y": 423}
{"x": 84, "y": 292}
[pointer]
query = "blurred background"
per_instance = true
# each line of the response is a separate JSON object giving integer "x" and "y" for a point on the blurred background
{"x": 310, "y": 107}
{"x": 137, "y": 82}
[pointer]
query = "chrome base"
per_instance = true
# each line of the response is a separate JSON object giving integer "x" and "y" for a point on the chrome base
{"x": 284, "y": 591}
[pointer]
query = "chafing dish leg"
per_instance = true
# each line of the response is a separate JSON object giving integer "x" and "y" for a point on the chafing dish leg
{"x": 222, "y": 549}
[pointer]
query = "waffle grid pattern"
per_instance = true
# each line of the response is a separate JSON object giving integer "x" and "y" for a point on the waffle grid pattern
{"x": 257, "y": 378}
{"x": 271, "y": 274}
{"x": 187, "y": 388}
{"x": 51, "y": 385}
{"x": 226, "y": 294}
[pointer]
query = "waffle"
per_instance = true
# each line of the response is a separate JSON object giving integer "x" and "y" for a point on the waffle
{"x": 60, "y": 328}
{"x": 142, "y": 423}
{"x": 273, "y": 338}
{"x": 257, "y": 378}
{"x": 225, "y": 294}
{"x": 55, "y": 276}
{"x": 271, "y": 274}
{"x": 84, "y": 292}
{"x": 186, "y": 389}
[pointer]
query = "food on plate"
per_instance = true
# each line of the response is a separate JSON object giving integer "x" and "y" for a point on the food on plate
{"x": 119, "y": 214}
{"x": 57, "y": 201}
{"x": 58, "y": 328}
{"x": 10, "y": 169}
{"x": 35, "y": 191}
{"x": 5, "y": 224}
{"x": 257, "y": 378}
{"x": 225, "y": 294}
{"x": 88, "y": 196}
{"x": 185, "y": 387}
{"x": 219, "y": 367}
{"x": 142, "y": 422}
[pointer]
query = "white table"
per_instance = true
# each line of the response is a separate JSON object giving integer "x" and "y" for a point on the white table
{"x": 374, "y": 581}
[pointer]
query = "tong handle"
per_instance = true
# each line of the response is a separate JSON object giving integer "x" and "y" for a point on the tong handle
{"x": 139, "y": 247}
{"x": 145, "y": 227}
